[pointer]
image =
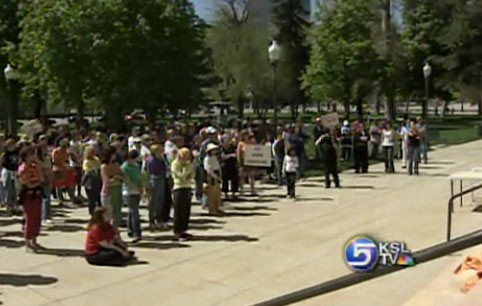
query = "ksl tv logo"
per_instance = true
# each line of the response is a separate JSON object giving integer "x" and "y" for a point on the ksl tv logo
{"x": 363, "y": 254}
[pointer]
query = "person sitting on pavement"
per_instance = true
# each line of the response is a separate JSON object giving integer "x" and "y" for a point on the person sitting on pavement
{"x": 103, "y": 246}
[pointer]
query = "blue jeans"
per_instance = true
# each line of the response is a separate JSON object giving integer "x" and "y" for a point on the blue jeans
{"x": 133, "y": 218}
{"x": 46, "y": 203}
{"x": 278, "y": 162}
{"x": 10, "y": 191}
{"x": 157, "y": 199}
{"x": 424, "y": 150}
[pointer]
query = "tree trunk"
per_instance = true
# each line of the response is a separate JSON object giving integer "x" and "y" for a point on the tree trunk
{"x": 114, "y": 118}
{"x": 359, "y": 108}
{"x": 462, "y": 106}
{"x": 378, "y": 104}
{"x": 479, "y": 106}
{"x": 445, "y": 107}
{"x": 318, "y": 106}
{"x": 240, "y": 108}
{"x": 334, "y": 107}
{"x": 80, "y": 112}
{"x": 347, "y": 109}
{"x": 390, "y": 108}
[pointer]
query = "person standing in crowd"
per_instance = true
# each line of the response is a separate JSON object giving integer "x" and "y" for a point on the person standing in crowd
{"x": 290, "y": 170}
{"x": 389, "y": 136}
{"x": 413, "y": 148}
{"x": 375, "y": 137}
{"x": 64, "y": 175}
{"x": 360, "y": 144}
{"x": 422, "y": 130}
{"x": 10, "y": 161}
{"x": 132, "y": 193}
{"x": 76, "y": 156}
{"x": 104, "y": 246}
{"x": 299, "y": 142}
{"x": 346, "y": 141}
{"x": 246, "y": 171}
{"x": 167, "y": 203}
{"x": 317, "y": 132}
{"x": 111, "y": 195}
{"x": 212, "y": 139}
{"x": 156, "y": 168}
{"x": 198, "y": 167}
{"x": 45, "y": 164}
{"x": 31, "y": 179}
{"x": 404, "y": 133}
{"x": 182, "y": 174}
{"x": 229, "y": 167}
{"x": 170, "y": 146}
{"x": 279, "y": 155}
{"x": 213, "y": 172}
{"x": 330, "y": 159}
{"x": 92, "y": 180}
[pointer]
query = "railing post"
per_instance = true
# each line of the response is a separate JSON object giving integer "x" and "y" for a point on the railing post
{"x": 449, "y": 219}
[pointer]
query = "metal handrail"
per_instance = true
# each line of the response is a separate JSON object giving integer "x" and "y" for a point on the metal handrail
{"x": 451, "y": 206}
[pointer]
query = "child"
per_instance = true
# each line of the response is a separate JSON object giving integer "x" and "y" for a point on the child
{"x": 290, "y": 168}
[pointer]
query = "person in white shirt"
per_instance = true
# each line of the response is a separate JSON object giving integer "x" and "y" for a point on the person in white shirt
{"x": 290, "y": 168}
{"x": 212, "y": 186}
{"x": 389, "y": 136}
{"x": 170, "y": 147}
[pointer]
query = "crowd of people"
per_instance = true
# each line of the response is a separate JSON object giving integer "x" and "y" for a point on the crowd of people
{"x": 165, "y": 168}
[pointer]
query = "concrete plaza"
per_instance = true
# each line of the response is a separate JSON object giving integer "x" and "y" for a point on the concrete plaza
{"x": 263, "y": 248}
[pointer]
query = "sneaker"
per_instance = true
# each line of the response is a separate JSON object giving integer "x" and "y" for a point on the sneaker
{"x": 186, "y": 236}
{"x": 29, "y": 248}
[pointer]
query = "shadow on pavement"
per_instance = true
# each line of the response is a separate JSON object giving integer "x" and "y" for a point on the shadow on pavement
{"x": 214, "y": 238}
{"x": 62, "y": 252}
{"x": 17, "y": 280}
{"x": 158, "y": 246}
{"x": 7, "y": 243}
{"x": 66, "y": 228}
{"x": 77, "y": 221}
{"x": 205, "y": 221}
{"x": 202, "y": 227}
{"x": 358, "y": 187}
{"x": 253, "y": 208}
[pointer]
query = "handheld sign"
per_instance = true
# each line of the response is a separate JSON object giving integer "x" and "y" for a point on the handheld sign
{"x": 330, "y": 121}
{"x": 258, "y": 155}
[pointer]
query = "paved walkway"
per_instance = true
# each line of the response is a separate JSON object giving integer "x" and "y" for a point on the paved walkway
{"x": 263, "y": 248}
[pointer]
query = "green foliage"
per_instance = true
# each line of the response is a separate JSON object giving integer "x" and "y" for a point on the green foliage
{"x": 240, "y": 53}
{"x": 123, "y": 53}
{"x": 343, "y": 63}
{"x": 292, "y": 27}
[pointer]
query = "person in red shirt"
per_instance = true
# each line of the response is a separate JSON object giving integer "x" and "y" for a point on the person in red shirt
{"x": 31, "y": 178}
{"x": 104, "y": 247}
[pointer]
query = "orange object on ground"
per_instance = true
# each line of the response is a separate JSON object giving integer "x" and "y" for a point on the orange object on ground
{"x": 470, "y": 263}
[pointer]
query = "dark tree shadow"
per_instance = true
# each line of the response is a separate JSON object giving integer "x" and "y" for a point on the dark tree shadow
{"x": 62, "y": 252}
{"x": 308, "y": 199}
{"x": 441, "y": 162}
{"x": 307, "y": 185}
{"x": 9, "y": 222}
{"x": 428, "y": 167}
{"x": 478, "y": 209}
{"x": 18, "y": 280}
{"x": 214, "y": 238}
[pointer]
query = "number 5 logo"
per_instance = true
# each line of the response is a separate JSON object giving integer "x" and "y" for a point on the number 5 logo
{"x": 361, "y": 254}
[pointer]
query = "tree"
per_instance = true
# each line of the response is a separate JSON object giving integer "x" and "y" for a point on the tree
{"x": 343, "y": 63}
{"x": 9, "y": 40}
{"x": 292, "y": 27}
{"x": 239, "y": 48}
{"x": 123, "y": 53}
{"x": 424, "y": 21}
{"x": 462, "y": 40}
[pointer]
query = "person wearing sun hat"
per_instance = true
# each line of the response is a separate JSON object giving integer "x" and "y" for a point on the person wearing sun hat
{"x": 182, "y": 174}
{"x": 213, "y": 180}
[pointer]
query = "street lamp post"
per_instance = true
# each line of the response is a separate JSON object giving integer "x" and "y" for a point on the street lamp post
{"x": 274, "y": 52}
{"x": 427, "y": 71}
{"x": 10, "y": 76}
